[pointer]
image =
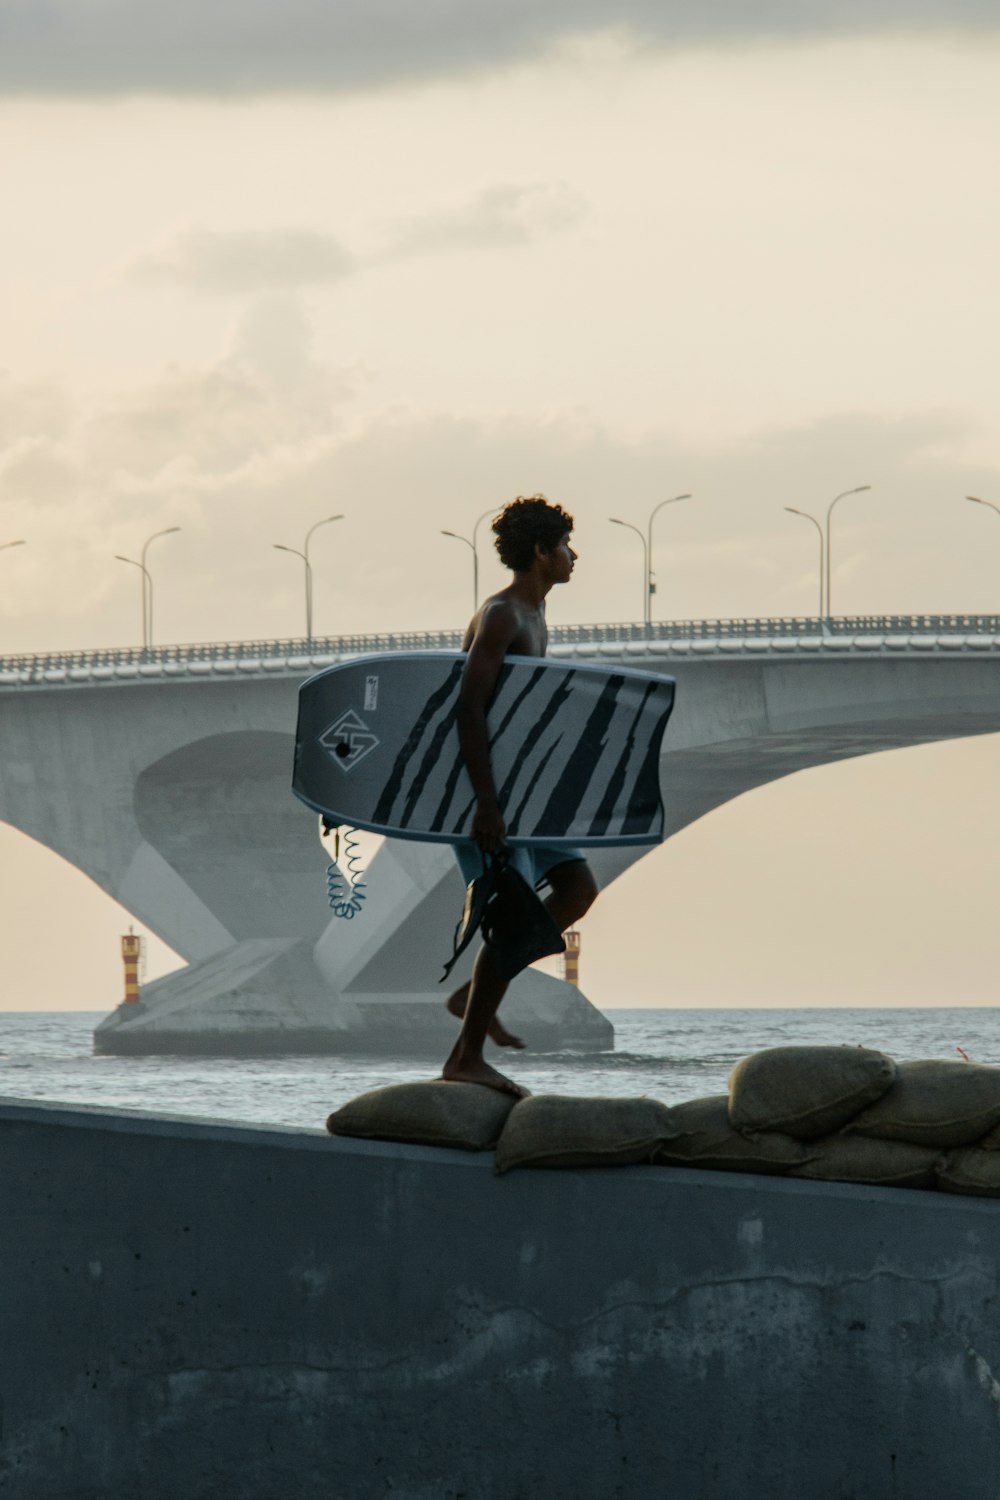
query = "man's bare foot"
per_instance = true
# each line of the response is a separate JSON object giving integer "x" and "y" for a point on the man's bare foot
{"x": 499, "y": 1035}
{"x": 496, "y": 1031}
{"x": 481, "y": 1072}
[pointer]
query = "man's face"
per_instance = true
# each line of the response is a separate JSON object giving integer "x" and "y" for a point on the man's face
{"x": 560, "y": 560}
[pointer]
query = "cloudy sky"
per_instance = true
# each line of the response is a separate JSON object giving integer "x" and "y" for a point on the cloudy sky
{"x": 264, "y": 263}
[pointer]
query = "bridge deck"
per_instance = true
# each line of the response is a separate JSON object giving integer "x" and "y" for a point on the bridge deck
{"x": 786, "y": 637}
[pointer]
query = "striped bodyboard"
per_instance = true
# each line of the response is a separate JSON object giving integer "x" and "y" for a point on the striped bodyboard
{"x": 574, "y": 749}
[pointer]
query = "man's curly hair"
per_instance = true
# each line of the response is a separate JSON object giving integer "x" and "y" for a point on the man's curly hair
{"x": 525, "y": 523}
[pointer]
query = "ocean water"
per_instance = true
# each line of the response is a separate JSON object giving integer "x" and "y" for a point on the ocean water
{"x": 668, "y": 1054}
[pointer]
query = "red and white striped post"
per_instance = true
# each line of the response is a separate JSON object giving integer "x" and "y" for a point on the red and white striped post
{"x": 571, "y": 958}
{"x": 131, "y": 954}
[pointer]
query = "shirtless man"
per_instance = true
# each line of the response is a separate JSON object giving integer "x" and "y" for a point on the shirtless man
{"x": 532, "y": 538}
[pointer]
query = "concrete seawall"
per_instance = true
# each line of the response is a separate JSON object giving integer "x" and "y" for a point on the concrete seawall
{"x": 197, "y": 1311}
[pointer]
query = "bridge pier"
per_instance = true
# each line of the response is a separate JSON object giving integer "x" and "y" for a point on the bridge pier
{"x": 175, "y": 799}
{"x": 368, "y": 986}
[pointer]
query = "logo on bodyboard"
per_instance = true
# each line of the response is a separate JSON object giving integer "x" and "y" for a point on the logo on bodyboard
{"x": 348, "y": 740}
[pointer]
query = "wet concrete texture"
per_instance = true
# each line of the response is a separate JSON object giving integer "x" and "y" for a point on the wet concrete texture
{"x": 205, "y": 1310}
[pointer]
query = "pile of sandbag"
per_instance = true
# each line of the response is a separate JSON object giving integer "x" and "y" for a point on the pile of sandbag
{"x": 864, "y": 1118}
{"x": 842, "y": 1114}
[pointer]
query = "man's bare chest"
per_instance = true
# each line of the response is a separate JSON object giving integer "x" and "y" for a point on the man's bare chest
{"x": 532, "y": 635}
{"x": 530, "y": 642}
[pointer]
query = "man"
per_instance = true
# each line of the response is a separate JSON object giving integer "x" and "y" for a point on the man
{"x": 532, "y": 538}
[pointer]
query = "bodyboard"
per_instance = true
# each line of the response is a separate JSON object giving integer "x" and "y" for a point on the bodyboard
{"x": 574, "y": 749}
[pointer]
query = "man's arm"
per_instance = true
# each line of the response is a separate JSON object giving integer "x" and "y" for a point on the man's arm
{"x": 497, "y": 628}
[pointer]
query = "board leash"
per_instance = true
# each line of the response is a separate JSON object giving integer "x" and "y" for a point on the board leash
{"x": 345, "y": 896}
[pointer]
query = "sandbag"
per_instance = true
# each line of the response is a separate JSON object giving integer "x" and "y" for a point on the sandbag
{"x": 990, "y": 1141}
{"x": 701, "y": 1136}
{"x": 806, "y": 1092}
{"x": 556, "y": 1130}
{"x": 934, "y": 1103}
{"x": 973, "y": 1171}
{"x": 468, "y": 1116}
{"x": 857, "y": 1158}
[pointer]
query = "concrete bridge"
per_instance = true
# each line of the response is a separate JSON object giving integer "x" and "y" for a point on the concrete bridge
{"x": 164, "y": 776}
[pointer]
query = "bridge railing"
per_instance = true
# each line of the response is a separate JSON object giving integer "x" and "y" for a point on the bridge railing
{"x": 295, "y": 648}
{"x": 300, "y": 651}
{"x": 808, "y": 625}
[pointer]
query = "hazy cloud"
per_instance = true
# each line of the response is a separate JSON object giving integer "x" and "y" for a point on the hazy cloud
{"x": 247, "y": 260}
{"x": 255, "y": 446}
{"x": 174, "y": 439}
{"x": 268, "y": 391}
{"x": 507, "y": 214}
{"x": 31, "y": 409}
{"x": 245, "y": 47}
{"x": 37, "y": 470}
{"x": 241, "y": 261}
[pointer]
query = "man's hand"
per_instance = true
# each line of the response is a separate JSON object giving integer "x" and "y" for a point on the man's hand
{"x": 488, "y": 827}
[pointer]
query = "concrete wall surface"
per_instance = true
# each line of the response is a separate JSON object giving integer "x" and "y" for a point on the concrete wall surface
{"x": 193, "y": 1310}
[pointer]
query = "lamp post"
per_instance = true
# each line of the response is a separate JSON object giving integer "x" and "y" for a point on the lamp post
{"x": 475, "y": 552}
{"x": 487, "y": 515}
{"x": 792, "y": 511}
{"x": 146, "y": 586}
{"x": 650, "y": 585}
{"x": 304, "y": 554}
{"x": 645, "y": 564}
{"x": 475, "y": 565}
{"x": 859, "y": 490}
{"x": 988, "y": 503}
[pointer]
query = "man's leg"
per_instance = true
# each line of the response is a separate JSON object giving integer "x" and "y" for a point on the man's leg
{"x": 572, "y": 893}
{"x": 471, "y": 865}
{"x": 458, "y": 1003}
{"x": 465, "y": 1063}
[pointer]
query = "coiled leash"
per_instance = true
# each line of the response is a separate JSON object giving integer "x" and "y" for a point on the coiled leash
{"x": 345, "y": 896}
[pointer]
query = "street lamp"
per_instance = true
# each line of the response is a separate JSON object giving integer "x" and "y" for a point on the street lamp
{"x": 475, "y": 565}
{"x": 645, "y": 563}
{"x": 304, "y": 554}
{"x": 487, "y": 515}
{"x": 650, "y": 585}
{"x": 792, "y": 511}
{"x": 988, "y": 503}
{"x": 858, "y": 491}
{"x": 475, "y": 552}
{"x": 146, "y": 585}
